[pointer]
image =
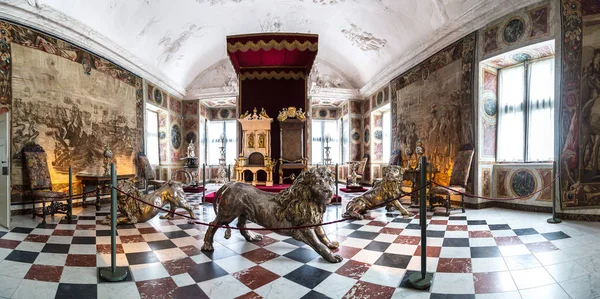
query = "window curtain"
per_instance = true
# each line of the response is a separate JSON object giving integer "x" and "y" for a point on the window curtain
{"x": 387, "y": 135}
{"x": 152, "y": 137}
{"x": 540, "y": 139}
{"x": 511, "y": 127}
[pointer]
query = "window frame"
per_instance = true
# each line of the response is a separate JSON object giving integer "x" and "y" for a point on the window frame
{"x": 526, "y": 117}
{"x": 147, "y": 143}
{"x": 321, "y": 142}
{"x": 222, "y": 122}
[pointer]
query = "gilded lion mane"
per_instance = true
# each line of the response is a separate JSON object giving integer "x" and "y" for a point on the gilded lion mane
{"x": 296, "y": 205}
{"x": 128, "y": 187}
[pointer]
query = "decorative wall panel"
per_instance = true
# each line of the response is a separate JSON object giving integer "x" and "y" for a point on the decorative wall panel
{"x": 579, "y": 132}
{"x": 222, "y": 113}
{"x": 72, "y": 112}
{"x": 325, "y": 113}
{"x": 514, "y": 180}
{"x": 433, "y": 102}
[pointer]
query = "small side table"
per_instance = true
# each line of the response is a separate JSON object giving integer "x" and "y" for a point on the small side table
{"x": 101, "y": 182}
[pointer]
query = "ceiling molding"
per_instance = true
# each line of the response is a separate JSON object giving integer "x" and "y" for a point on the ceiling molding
{"x": 473, "y": 19}
{"x": 49, "y": 20}
{"x": 336, "y": 93}
{"x": 210, "y": 93}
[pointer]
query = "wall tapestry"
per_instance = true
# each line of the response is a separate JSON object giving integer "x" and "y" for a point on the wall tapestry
{"x": 580, "y": 107}
{"x": 71, "y": 114}
{"x": 433, "y": 102}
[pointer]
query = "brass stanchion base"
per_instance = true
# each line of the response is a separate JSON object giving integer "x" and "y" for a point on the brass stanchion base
{"x": 417, "y": 281}
{"x": 554, "y": 220}
{"x": 119, "y": 275}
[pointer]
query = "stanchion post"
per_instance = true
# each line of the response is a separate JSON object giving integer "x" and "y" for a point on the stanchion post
{"x": 113, "y": 273}
{"x": 422, "y": 280}
{"x": 336, "y": 182}
{"x": 203, "y": 182}
{"x": 554, "y": 219}
{"x": 70, "y": 216}
{"x": 229, "y": 172}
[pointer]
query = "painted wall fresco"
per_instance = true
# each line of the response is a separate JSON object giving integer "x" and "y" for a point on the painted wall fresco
{"x": 580, "y": 112}
{"x": 325, "y": 113}
{"x": 525, "y": 26}
{"x": 157, "y": 97}
{"x": 221, "y": 113}
{"x": 488, "y": 110}
{"x": 433, "y": 102}
{"x": 513, "y": 180}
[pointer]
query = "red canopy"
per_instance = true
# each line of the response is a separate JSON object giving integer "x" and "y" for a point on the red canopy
{"x": 272, "y": 55}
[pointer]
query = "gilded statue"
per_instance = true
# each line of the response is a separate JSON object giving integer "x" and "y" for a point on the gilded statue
{"x": 261, "y": 140}
{"x": 303, "y": 203}
{"x": 291, "y": 112}
{"x": 131, "y": 211}
{"x": 386, "y": 189}
{"x": 263, "y": 113}
{"x": 251, "y": 140}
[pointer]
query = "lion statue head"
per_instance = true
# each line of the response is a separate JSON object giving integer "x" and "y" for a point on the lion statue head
{"x": 305, "y": 201}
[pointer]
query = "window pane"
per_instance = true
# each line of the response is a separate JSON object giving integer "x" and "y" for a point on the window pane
{"x": 214, "y": 132}
{"x": 511, "y": 127}
{"x": 540, "y": 139}
{"x": 331, "y": 130}
{"x": 387, "y": 136}
{"x": 316, "y": 147}
{"x": 152, "y": 137}
{"x": 231, "y": 146}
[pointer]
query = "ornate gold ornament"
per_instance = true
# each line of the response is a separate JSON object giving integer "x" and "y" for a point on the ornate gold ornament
{"x": 303, "y": 203}
{"x": 291, "y": 112}
{"x": 272, "y": 44}
{"x": 386, "y": 189}
{"x": 131, "y": 211}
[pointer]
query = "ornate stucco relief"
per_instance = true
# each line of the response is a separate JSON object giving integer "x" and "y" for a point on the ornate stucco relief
{"x": 362, "y": 39}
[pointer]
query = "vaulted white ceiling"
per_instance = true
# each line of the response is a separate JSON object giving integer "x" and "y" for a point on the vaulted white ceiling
{"x": 177, "y": 40}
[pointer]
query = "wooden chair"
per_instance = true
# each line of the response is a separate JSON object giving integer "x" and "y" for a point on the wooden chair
{"x": 148, "y": 173}
{"x": 439, "y": 196}
{"x": 40, "y": 184}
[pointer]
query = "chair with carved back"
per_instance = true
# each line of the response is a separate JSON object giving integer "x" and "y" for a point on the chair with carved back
{"x": 148, "y": 173}
{"x": 40, "y": 190}
{"x": 439, "y": 196}
{"x": 359, "y": 167}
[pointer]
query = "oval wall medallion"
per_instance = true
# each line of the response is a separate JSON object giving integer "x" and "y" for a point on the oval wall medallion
{"x": 355, "y": 136}
{"x": 513, "y": 31}
{"x": 224, "y": 113}
{"x": 158, "y": 96}
{"x": 175, "y": 136}
{"x": 522, "y": 183}
{"x": 490, "y": 108}
{"x": 162, "y": 135}
{"x": 367, "y": 135}
{"x": 378, "y": 135}
{"x": 521, "y": 57}
{"x": 86, "y": 65}
{"x": 379, "y": 98}
{"x": 322, "y": 113}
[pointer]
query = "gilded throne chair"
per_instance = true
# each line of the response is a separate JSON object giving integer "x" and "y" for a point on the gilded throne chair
{"x": 256, "y": 148}
{"x": 439, "y": 196}
{"x": 292, "y": 155}
{"x": 148, "y": 173}
{"x": 40, "y": 190}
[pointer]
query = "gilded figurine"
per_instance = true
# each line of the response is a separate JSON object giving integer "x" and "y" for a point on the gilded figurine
{"x": 263, "y": 113}
{"x": 261, "y": 140}
{"x": 131, "y": 211}
{"x": 303, "y": 203}
{"x": 386, "y": 189}
{"x": 251, "y": 140}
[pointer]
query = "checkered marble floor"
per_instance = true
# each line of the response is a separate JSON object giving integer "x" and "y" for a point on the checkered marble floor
{"x": 490, "y": 253}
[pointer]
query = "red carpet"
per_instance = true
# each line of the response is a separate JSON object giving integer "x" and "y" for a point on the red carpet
{"x": 192, "y": 189}
{"x": 351, "y": 190}
{"x": 210, "y": 197}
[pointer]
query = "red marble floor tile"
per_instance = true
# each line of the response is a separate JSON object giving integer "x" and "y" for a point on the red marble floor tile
{"x": 480, "y": 234}
{"x": 191, "y": 250}
{"x": 541, "y": 247}
{"x": 86, "y": 227}
{"x": 366, "y": 290}
{"x": 63, "y": 232}
{"x": 9, "y": 244}
{"x": 81, "y": 260}
{"x": 419, "y": 217}
{"x": 505, "y": 241}
{"x": 265, "y": 241}
{"x": 368, "y": 217}
{"x": 377, "y": 223}
{"x": 454, "y": 265}
{"x": 432, "y": 251}
{"x": 347, "y": 251}
{"x": 260, "y": 255}
{"x": 410, "y": 240}
{"x": 391, "y": 231}
{"x": 162, "y": 288}
{"x": 255, "y": 277}
{"x": 105, "y": 248}
{"x": 493, "y": 282}
{"x": 353, "y": 269}
{"x": 250, "y": 295}
{"x": 37, "y": 238}
{"x": 132, "y": 239}
{"x": 179, "y": 266}
{"x": 148, "y": 230}
{"x": 456, "y": 228}
{"x": 439, "y": 222}
{"x": 44, "y": 273}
